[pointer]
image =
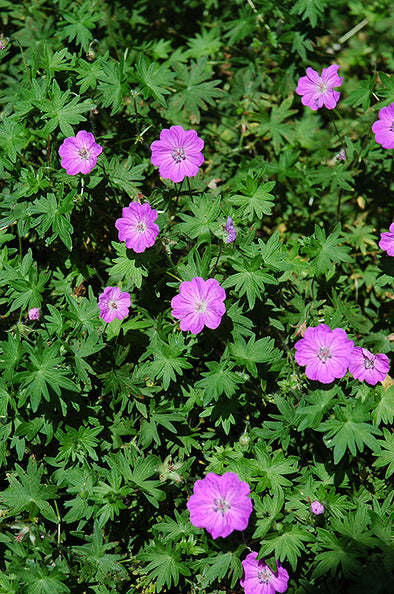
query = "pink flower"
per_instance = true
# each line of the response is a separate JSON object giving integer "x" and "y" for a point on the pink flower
{"x": 387, "y": 241}
{"x": 317, "y": 91}
{"x": 199, "y": 304}
{"x": 34, "y": 313}
{"x": 317, "y": 508}
{"x": 383, "y": 128}
{"x": 220, "y": 504}
{"x": 258, "y": 578}
{"x": 366, "y": 366}
{"x": 177, "y": 153}
{"x": 2, "y": 44}
{"x": 114, "y": 304}
{"x": 326, "y": 353}
{"x": 231, "y": 232}
{"x": 137, "y": 227}
{"x": 79, "y": 153}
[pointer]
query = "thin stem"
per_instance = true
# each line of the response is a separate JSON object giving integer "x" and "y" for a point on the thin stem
{"x": 24, "y": 61}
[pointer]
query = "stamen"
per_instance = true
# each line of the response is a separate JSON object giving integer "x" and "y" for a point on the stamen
{"x": 324, "y": 354}
{"x": 84, "y": 153}
{"x": 264, "y": 576}
{"x": 221, "y": 506}
{"x": 178, "y": 154}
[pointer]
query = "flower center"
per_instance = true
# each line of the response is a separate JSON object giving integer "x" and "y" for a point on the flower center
{"x": 112, "y": 304}
{"x": 84, "y": 153}
{"x": 324, "y": 354}
{"x": 264, "y": 576}
{"x": 323, "y": 87}
{"x": 369, "y": 363}
{"x": 178, "y": 154}
{"x": 140, "y": 227}
{"x": 221, "y": 506}
{"x": 200, "y": 306}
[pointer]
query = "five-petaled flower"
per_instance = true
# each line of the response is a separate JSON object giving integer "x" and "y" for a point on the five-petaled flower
{"x": 220, "y": 503}
{"x": 259, "y": 578}
{"x": 34, "y": 313}
{"x": 199, "y": 304}
{"x": 137, "y": 226}
{"x": 114, "y": 304}
{"x": 231, "y": 231}
{"x": 317, "y": 508}
{"x": 386, "y": 242}
{"x": 326, "y": 353}
{"x": 364, "y": 365}
{"x": 317, "y": 91}
{"x": 383, "y": 128}
{"x": 79, "y": 153}
{"x": 177, "y": 153}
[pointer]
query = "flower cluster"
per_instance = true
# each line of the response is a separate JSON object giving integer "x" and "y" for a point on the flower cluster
{"x": 329, "y": 354}
{"x": 222, "y": 504}
{"x": 34, "y": 313}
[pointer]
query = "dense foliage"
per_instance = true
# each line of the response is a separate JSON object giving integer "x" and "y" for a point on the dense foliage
{"x": 104, "y": 428}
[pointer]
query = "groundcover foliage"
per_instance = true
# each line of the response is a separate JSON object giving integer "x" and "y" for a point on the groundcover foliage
{"x": 106, "y": 427}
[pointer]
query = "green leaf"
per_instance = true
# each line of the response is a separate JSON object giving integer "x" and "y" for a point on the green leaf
{"x": 81, "y": 21}
{"x": 124, "y": 266}
{"x": 254, "y": 199}
{"x": 326, "y": 251}
{"x": 286, "y": 545}
{"x": 155, "y": 80}
{"x": 386, "y": 456}
{"x": 167, "y": 360}
{"x": 248, "y": 354}
{"x": 56, "y": 215}
{"x": 270, "y": 471}
{"x": 28, "y": 494}
{"x": 203, "y": 220}
{"x": 194, "y": 92}
{"x": 61, "y": 112}
{"x": 350, "y": 430}
{"x": 217, "y": 380}
{"x": 165, "y": 565}
{"x": 384, "y": 410}
{"x": 276, "y": 125}
{"x": 312, "y": 10}
{"x": 249, "y": 280}
{"x": 45, "y": 373}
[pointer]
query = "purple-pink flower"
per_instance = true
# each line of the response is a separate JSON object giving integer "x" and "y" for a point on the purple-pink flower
{"x": 34, "y": 313}
{"x": 259, "y": 578}
{"x": 79, "y": 153}
{"x": 137, "y": 226}
{"x": 231, "y": 231}
{"x": 114, "y": 304}
{"x": 317, "y": 508}
{"x": 220, "y": 503}
{"x": 369, "y": 367}
{"x": 199, "y": 304}
{"x": 387, "y": 241}
{"x": 383, "y": 128}
{"x": 326, "y": 353}
{"x": 177, "y": 153}
{"x": 317, "y": 91}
